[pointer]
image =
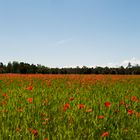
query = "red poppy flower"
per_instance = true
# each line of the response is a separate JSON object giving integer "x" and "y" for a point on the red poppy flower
{"x": 46, "y": 139}
{"x": 72, "y": 98}
{"x": 134, "y": 98}
{"x": 107, "y": 104}
{"x": 130, "y": 112}
{"x": 66, "y": 106}
{"x": 29, "y": 88}
{"x": 105, "y": 134}
{"x": 34, "y": 132}
{"x": 100, "y": 117}
{"x": 81, "y": 106}
{"x": 30, "y": 100}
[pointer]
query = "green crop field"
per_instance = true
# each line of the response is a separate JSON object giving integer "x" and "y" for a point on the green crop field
{"x": 83, "y": 107}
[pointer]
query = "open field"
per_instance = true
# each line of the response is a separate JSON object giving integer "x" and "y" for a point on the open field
{"x": 69, "y": 107}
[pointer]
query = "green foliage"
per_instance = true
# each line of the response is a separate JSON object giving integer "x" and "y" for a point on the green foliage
{"x": 25, "y": 68}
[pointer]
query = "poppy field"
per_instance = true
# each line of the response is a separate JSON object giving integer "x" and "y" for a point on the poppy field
{"x": 69, "y": 107}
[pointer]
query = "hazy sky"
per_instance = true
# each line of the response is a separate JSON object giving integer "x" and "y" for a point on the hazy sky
{"x": 58, "y": 33}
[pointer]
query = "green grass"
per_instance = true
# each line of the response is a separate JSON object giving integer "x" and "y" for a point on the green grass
{"x": 45, "y": 116}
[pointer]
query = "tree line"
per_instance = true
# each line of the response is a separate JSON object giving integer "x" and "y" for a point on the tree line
{"x": 25, "y": 68}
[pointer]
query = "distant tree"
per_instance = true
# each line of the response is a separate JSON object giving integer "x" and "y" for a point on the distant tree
{"x": 9, "y": 67}
{"x": 129, "y": 65}
{"x": 2, "y": 70}
{"x": 121, "y": 70}
{"x": 1, "y": 64}
{"x": 23, "y": 68}
{"x": 15, "y": 66}
{"x": 33, "y": 69}
{"x": 98, "y": 70}
{"x": 106, "y": 70}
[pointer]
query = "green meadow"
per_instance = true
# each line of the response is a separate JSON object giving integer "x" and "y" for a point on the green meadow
{"x": 64, "y": 108}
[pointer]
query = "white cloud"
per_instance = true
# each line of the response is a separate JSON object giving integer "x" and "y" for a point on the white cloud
{"x": 133, "y": 62}
{"x": 112, "y": 65}
{"x": 63, "y": 41}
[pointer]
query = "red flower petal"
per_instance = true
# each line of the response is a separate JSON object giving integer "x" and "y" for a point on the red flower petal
{"x": 107, "y": 104}
{"x": 105, "y": 134}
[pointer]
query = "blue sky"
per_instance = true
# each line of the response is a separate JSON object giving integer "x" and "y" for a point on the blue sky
{"x": 59, "y": 33}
